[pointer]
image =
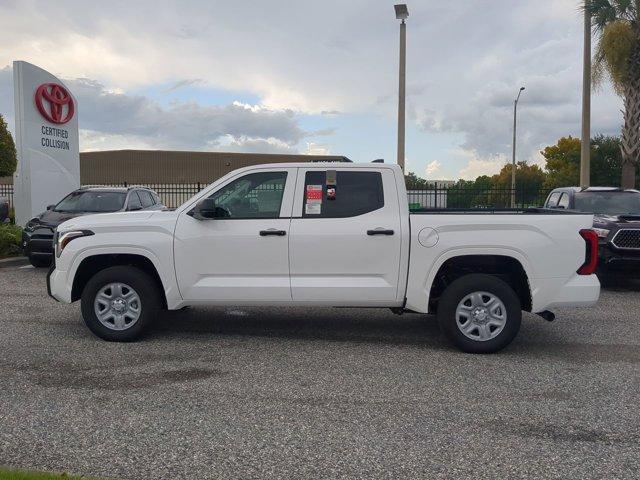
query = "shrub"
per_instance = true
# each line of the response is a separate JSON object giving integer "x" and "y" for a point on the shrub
{"x": 10, "y": 237}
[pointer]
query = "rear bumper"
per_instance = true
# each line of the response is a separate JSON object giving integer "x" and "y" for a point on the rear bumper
{"x": 578, "y": 291}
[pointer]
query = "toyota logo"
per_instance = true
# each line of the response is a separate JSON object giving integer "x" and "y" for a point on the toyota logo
{"x": 54, "y": 103}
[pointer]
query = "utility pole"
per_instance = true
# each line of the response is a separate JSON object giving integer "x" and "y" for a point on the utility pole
{"x": 401, "y": 14}
{"x": 513, "y": 158}
{"x": 585, "y": 140}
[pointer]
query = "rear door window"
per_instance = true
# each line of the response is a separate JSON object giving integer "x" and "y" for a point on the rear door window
{"x": 552, "y": 202}
{"x": 340, "y": 194}
{"x": 564, "y": 201}
{"x": 145, "y": 198}
{"x": 134, "y": 201}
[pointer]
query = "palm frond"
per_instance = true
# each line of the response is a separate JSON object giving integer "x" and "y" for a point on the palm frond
{"x": 602, "y": 12}
{"x": 612, "y": 54}
{"x": 627, "y": 9}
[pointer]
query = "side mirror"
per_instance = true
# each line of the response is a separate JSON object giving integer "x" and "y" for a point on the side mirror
{"x": 206, "y": 210}
{"x": 50, "y": 207}
{"x": 133, "y": 208}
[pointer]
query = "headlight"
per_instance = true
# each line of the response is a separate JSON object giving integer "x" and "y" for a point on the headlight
{"x": 31, "y": 225}
{"x": 601, "y": 232}
{"x": 63, "y": 238}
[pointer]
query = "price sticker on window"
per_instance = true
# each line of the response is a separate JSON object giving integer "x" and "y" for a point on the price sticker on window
{"x": 314, "y": 200}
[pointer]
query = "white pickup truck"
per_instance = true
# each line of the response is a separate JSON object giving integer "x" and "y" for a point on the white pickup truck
{"x": 325, "y": 234}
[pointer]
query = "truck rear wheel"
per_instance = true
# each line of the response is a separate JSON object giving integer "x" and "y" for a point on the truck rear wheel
{"x": 119, "y": 303}
{"x": 479, "y": 313}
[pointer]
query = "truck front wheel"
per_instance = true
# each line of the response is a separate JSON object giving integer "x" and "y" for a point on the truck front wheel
{"x": 119, "y": 303}
{"x": 479, "y": 313}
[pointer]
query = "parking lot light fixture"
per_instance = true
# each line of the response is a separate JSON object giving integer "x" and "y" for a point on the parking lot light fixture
{"x": 402, "y": 12}
{"x": 513, "y": 159}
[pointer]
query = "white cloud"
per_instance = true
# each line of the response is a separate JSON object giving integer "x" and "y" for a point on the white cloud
{"x": 432, "y": 169}
{"x": 317, "y": 149}
{"x": 116, "y": 120}
{"x": 476, "y": 167}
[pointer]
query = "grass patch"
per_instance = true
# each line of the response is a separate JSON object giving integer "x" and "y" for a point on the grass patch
{"x": 24, "y": 475}
{"x": 10, "y": 238}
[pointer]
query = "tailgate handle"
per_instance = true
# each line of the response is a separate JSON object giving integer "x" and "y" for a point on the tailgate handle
{"x": 272, "y": 231}
{"x": 380, "y": 231}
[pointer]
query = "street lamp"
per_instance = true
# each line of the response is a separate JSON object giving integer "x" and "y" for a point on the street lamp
{"x": 513, "y": 164}
{"x": 401, "y": 14}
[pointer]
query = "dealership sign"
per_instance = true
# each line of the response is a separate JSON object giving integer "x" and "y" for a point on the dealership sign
{"x": 46, "y": 140}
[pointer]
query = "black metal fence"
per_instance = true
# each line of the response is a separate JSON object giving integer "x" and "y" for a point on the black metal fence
{"x": 7, "y": 192}
{"x": 174, "y": 194}
{"x": 465, "y": 197}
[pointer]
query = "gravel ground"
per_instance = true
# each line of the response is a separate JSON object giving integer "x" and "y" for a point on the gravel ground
{"x": 297, "y": 393}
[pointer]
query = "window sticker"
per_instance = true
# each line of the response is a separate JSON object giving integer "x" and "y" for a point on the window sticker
{"x": 314, "y": 193}
{"x": 314, "y": 200}
{"x": 331, "y": 193}
{"x": 313, "y": 208}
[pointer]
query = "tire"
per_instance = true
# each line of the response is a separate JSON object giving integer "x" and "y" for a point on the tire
{"x": 40, "y": 262}
{"x": 471, "y": 298}
{"x": 108, "y": 290}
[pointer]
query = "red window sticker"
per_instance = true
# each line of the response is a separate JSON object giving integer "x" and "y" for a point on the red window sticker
{"x": 314, "y": 192}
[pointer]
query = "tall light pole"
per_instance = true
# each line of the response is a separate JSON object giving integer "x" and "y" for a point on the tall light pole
{"x": 513, "y": 160}
{"x": 585, "y": 142}
{"x": 401, "y": 14}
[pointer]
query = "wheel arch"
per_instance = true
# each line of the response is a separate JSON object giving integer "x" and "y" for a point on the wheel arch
{"x": 92, "y": 264}
{"x": 506, "y": 267}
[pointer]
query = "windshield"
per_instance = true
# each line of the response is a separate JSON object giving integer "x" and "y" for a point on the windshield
{"x": 608, "y": 203}
{"x": 88, "y": 201}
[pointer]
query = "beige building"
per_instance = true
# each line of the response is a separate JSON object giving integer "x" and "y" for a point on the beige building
{"x": 158, "y": 167}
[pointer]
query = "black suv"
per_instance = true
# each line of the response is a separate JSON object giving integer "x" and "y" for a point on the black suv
{"x": 616, "y": 221}
{"x": 37, "y": 236}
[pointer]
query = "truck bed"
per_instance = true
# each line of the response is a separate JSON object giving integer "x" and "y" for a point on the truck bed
{"x": 497, "y": 211}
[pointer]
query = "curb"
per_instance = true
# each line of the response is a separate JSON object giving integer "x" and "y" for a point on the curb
{"x": 14, "y": 262}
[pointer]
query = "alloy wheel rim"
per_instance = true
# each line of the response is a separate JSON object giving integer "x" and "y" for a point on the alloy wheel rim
{"x": 117, "y": 306}
{"x": 481, "y": 316}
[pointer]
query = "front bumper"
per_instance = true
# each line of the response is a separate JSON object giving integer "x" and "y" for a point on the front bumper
{"x": 38, "y": 243}
{"x": 610, "y": 258}
{"x": 57, "y": 285}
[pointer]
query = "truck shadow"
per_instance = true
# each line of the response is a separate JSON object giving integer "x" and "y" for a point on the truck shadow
{"x": 322, "y": 324}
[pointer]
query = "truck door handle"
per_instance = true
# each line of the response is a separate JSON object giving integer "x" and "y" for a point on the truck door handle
{"x": 272, "y": 231}
{"x": 380, "y": 231}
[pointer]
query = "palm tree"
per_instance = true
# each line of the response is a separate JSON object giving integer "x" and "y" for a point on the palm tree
{"x": 617, "y": 57}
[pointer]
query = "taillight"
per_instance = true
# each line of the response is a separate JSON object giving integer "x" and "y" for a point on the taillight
{"x": 591, "y": 255}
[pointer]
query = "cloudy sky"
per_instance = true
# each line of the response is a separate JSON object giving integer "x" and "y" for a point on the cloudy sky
{"x": 313, "y": 77}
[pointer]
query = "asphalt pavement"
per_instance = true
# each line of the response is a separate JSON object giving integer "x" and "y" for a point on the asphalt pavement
{"x": 316, "y": 393}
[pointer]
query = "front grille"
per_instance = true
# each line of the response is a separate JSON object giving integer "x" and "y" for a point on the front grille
{"x": 627, "y": 239}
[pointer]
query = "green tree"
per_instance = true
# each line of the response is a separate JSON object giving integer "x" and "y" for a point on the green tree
{"x": 8, "y": 159}
{"x": 529, "y": 181}
{"x": 617, "y": 57}
{"x": 606, "y": 161}
{"x": 414, "y": 182}
{"x": 562, "y": 163}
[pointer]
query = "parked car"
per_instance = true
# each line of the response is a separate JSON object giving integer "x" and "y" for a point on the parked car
{"x": 616, "y": 221}
{"x": 37, "y": 236}
{"x": 326, "y": 235}
{"x": 4, "y": 209}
